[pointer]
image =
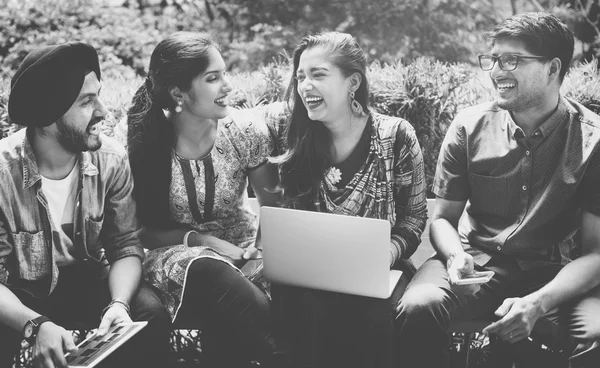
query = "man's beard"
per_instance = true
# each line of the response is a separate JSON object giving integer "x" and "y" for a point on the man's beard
{"x": 76, "y": 141}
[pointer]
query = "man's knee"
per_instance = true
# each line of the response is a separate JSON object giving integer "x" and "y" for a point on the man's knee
{"x": 422, "y": 302}
{"x": 585, "y": 325}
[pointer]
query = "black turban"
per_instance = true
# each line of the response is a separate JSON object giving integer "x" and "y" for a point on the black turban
{"x": 48, "y": 82}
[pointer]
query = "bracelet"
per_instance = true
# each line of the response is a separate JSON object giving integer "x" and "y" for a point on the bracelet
{"x": 187, "y": 236}
{"x": 114, "y": 302}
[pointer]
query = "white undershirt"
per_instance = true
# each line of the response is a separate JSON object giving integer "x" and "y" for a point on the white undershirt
{"x": 61, "y": 203}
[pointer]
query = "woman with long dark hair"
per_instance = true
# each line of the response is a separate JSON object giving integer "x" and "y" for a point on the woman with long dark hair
{"x": 345, "y": 159}
{"x": 191, "y": 159}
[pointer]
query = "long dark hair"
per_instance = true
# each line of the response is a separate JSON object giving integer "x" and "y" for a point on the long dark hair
{"x": 302, "y": 167}
{"x": 175, "y": 62}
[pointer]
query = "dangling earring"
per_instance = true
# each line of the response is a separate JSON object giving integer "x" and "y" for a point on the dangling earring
{"x": 356, "y": 107}
{"x": 178, "y": 107}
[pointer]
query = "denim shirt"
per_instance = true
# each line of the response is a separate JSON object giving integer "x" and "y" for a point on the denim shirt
{"x": 105, "y": 224}
{"x": 525, "y": 195}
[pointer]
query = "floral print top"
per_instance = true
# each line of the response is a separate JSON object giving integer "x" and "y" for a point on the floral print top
{"x": 220, "y": 181}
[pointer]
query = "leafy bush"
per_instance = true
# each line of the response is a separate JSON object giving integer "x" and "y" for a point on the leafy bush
{"x": 124, "y": 37}
{"x": 426, "y": 93}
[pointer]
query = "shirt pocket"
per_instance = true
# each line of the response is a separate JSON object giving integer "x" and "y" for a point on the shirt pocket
{"x": 497, "y": 196}
{"x": 32, "y": 255}
{"x": 93, "y": 227}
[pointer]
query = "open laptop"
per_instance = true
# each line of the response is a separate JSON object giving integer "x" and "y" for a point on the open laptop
{"x": 96, "y": 348}
{"x": 329, "y": 252}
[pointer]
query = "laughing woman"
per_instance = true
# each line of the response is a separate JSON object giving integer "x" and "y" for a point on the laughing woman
{"x": 343, "y": 158}
{"x": 191, "y": 158}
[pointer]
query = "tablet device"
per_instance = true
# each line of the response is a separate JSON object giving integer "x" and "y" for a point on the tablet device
{"x": 94, "y": 349}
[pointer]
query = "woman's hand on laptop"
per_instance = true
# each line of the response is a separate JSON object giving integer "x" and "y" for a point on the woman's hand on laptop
{"x": 252, "y": 253}
{"x": 51, "y": 345}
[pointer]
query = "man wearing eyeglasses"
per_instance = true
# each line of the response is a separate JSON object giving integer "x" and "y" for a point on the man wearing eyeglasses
{"x": 527, "y": 168}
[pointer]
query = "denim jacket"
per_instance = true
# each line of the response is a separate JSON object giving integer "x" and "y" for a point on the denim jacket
{"x": 105, "y": 225}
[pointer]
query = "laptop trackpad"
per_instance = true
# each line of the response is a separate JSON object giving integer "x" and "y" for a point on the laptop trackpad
{"x": 394, "y": 278}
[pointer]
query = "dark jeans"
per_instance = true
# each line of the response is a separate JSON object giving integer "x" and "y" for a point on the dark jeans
{"x": 78, "y": 299}
{"x": 234, "y": 313}
{"x": 327, "y": 329}
{"x": 429, "y": 306}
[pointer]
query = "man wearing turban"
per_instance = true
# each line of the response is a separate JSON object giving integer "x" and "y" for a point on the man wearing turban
{"x": 69, "y": 235}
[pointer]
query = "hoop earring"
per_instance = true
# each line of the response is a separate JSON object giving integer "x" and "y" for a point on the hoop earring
{"x": 356, "y": 107}
{"x": 178, "y": 107}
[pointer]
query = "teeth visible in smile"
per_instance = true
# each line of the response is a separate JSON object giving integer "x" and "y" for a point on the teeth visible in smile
{"x": 505, "y": 85}
{"x": 313, "y": 99}
{"x": 221, "y": 101}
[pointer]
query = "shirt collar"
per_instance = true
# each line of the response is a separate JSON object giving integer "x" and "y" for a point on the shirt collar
{"x": 31, "y": 174}
{"x": 560, "y": 115}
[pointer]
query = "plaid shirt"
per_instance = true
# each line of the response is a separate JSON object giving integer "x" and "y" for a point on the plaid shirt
{"x": 525, "y": 195}
{"x": 106, "y": 226}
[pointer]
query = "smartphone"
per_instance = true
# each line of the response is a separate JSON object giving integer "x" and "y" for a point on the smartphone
{"x": 475, "y": 278}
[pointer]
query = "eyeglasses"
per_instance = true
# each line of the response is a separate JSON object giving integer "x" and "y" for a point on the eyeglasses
{"x": 508, "y": 62}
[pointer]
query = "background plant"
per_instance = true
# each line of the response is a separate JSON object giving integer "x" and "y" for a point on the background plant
{"x": 427, "y": 93}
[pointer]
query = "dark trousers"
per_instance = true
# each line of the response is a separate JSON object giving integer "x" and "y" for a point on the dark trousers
{"x": 78, "y": 299}
{"x": 234, "y": 314}
{"x": 326, "y": 329}
{"x": 429, "y": 306}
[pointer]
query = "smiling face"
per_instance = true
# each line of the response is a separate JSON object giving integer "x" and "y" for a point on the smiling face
{"x": 525, "y": 87}
{"x": 206, "y": 97}
{"x": 322, "y": 87}
{"x": 78, "y": 129}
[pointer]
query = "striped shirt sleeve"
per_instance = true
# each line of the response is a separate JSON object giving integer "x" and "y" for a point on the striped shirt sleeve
{"x": 409, "y": 192}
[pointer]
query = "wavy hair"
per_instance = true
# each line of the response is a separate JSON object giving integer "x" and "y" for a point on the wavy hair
{"x": 308, "y": 155}
{"x": 175, "y": 62}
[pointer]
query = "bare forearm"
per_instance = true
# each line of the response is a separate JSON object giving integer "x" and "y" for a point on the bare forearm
{"x": 573, "y": 281}
{"x": 13, "y": 313}
{"x": 124, "y": 278}
{"x": 444, "y": 238}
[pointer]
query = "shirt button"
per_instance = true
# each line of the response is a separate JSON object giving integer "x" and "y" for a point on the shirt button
{"x": 524, "y": 187}
{"x": 527, "y": 153}
{"x": 78, "y": 233}
{"x": 499, "y": 247}
{"x": 536, "y": 133}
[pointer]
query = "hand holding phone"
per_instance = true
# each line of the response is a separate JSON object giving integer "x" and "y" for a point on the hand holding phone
{"x": 475, "y": 278}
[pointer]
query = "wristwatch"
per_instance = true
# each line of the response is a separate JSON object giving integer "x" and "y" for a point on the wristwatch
{"x": 31, "y": 328}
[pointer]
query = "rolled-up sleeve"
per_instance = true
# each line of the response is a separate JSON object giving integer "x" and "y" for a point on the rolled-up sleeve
{"x": 410, "y": 194}
{"x": 451, "y": 179}
{"x": 121, "y": 228}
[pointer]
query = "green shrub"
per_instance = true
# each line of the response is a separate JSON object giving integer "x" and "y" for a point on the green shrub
{"x": 426, "y": 93}
{"x": 583, "y": 85}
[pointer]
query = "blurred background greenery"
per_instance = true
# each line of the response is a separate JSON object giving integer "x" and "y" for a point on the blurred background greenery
{"x": 422, "y": 52}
